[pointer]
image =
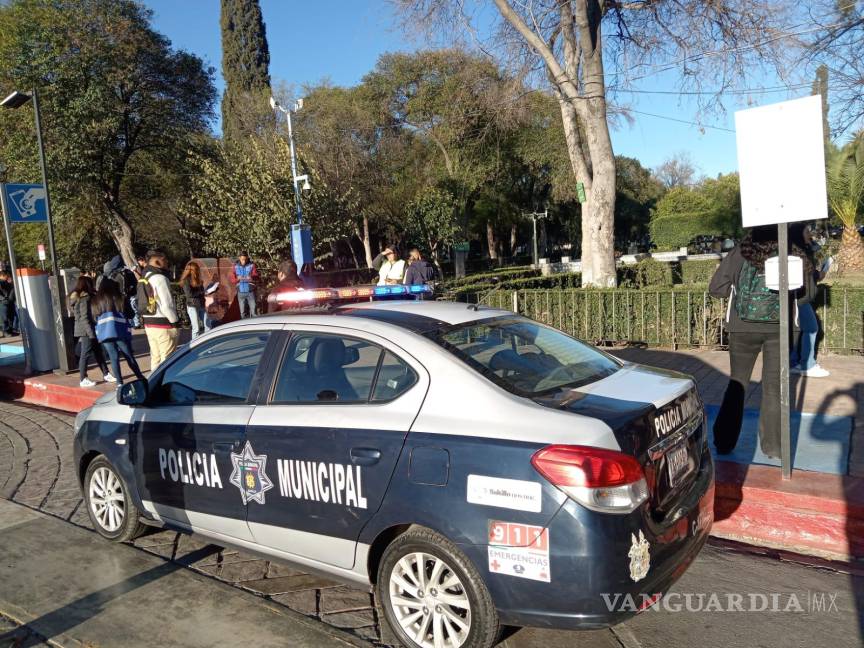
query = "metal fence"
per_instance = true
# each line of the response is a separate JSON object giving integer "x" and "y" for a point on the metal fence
{"x": 666, "y": 317}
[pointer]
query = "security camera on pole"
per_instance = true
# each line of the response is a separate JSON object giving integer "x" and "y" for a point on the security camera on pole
{"x": 781, "y": 163}
{"x": 301, "y": 235}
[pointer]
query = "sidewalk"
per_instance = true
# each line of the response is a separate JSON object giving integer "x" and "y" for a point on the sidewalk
{"x": 76, "y": 589}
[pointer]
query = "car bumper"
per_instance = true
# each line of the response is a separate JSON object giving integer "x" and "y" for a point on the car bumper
{"x": 590, "y": 584}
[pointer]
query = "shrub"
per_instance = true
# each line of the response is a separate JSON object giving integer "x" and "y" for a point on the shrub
{"x": 699, "y": 271}
{"x": 646, "y": 273}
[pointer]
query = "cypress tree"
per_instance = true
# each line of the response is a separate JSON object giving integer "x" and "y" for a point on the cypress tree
{"x": 245, "y": 67}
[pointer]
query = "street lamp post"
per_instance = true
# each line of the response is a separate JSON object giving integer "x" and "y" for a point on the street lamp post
{"x": 65, "y": 349}
{"x": 301, "y": 235}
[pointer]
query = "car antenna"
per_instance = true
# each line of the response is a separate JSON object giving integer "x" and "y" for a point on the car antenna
{"x": 496, "y": 284}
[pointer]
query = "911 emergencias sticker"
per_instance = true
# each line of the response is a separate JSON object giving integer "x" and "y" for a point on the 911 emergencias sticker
{"x": 509, "y": 555}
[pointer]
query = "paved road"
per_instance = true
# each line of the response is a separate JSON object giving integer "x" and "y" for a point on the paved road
{"x": 36, "y": 471}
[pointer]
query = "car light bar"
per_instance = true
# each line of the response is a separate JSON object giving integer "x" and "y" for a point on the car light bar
{"x": 316, "y": 294}
{"x": 348, "y": 292}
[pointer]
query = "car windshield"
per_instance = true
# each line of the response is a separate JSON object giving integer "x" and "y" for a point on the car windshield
{"x": 525, "y": 357}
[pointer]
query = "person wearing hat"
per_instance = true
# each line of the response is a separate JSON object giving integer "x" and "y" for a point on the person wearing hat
{"x": 245, "y": 277}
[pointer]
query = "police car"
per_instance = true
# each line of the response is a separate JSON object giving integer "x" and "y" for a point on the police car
{"x": 476, "y": 468}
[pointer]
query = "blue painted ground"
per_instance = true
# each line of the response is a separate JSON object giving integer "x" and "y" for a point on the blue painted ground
{"x": 11, "y": 354}
{"x": 819, "y": 442}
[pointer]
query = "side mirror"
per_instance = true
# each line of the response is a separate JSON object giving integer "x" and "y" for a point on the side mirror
{"x": 134, "y": 393}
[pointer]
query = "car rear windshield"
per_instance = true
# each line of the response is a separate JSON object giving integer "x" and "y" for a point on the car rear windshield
{"x": 525, "y": 357}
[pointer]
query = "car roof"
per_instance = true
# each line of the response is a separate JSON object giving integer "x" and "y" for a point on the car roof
{"x": 415, "y": 316}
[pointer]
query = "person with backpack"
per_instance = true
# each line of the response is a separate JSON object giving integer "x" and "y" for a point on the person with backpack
{"x": 80, "y": 302}
{"x": 115, "y": 271}
{"x": 193, "y": 290}
{"x": 245, "y": 276}
{"x": 112, "y": 329}
{"x": 752, "y": 317}
{"x": 156, "y": 305}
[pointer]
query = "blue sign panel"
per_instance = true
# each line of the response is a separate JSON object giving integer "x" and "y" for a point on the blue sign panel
{"x": 301, "y": 245}
{"x": 26, "y": 203}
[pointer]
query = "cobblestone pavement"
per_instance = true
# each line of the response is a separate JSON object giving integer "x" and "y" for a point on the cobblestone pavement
{"x": 36, "y": 469}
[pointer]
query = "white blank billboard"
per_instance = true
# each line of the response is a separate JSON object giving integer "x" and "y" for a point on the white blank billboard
{"x": 781, "y": 160}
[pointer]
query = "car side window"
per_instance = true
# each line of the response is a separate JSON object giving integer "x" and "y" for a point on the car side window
{"x": 216, "y": 372}
{"x": 327, "y": 368}
{"x": 394, "y": 378}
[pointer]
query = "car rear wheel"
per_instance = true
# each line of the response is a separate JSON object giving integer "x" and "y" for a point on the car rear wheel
{"x": 111, "y": 510}
{"x": 432, "y": 596}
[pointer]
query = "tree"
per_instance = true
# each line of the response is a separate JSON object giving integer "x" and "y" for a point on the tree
{"x": 245, "y": 66}
{"x": 120, "y": 99}
{"x": 712, "y": 208}
{"x": 638, "y": 191}
{"x": 577, "y": 39}
{"x": 845, "y": 172}
{"x": 242, "y": 198}
{"x": 431, "y": 221}
{"x": 463, "y": 106}
{"x": 836, "y": 50}
{"x": 677, "y": 171}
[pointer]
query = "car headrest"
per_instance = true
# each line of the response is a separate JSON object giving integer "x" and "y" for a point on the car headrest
{"x": 326, "y": 355}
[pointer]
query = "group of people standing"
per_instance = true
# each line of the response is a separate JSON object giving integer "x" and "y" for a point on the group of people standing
{"x": 107, "y": 308}
{"x": 393, "y": 269}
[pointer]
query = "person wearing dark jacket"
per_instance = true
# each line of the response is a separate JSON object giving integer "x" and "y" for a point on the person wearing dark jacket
{"x": 803, "y": 359}
{"x": 79, "y": 300}
{"x": 752, "y": 324}
{"x": 7, "y": 304}
{"x": 193, "y": 290}
{"x": 419, "y": 271}
{"x": 288, "y": 280}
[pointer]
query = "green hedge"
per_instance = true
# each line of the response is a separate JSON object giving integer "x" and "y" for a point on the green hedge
{"x": 683, "y": 316}
{"x": 699, "y": 271}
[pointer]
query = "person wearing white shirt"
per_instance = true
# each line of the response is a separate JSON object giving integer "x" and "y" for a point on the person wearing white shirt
{"x": 391, "y": 269}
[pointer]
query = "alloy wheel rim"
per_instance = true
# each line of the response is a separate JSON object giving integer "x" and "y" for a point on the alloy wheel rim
{"x": 429, "y": 601}
{"x": 106, "y": 499}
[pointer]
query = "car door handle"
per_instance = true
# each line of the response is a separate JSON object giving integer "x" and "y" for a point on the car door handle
{"x": 225, "y": 446}
{"x": 365, "y": 456}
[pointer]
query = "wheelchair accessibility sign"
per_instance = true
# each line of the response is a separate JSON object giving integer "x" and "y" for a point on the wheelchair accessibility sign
{"x": 26, "y": 203}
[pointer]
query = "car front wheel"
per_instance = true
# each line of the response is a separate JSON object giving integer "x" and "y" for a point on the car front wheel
{"x": 111, "y": 510}
{"x": 432, "y": 596}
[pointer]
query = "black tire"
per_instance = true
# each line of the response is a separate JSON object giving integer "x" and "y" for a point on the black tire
{"x": 483, "y": 629}
{"x": 115, "y": 528}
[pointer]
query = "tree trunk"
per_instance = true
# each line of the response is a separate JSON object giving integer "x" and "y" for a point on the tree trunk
{"x": 353, "y": 252}
{"x": 490, "y": 241}
{"x": 850, "y": 258}
{"x": 581, "y": 84}
{"x": 364, "y": 238}
{"x": 513, "y": 230}
{"x": 124, "y": 237}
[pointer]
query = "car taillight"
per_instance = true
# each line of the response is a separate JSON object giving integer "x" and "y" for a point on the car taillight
{"x": 599, "y": 479}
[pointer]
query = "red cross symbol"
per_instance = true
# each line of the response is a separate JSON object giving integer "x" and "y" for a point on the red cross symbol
{"x": 495, "y": 565}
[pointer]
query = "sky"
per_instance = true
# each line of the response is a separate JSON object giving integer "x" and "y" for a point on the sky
{"x": 341, "y": 40}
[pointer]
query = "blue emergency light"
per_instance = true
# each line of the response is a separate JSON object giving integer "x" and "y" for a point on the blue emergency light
{"x": 400, "y": 289}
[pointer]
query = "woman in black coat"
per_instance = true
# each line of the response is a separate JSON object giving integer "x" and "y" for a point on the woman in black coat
{"x": 80, "y": 301}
